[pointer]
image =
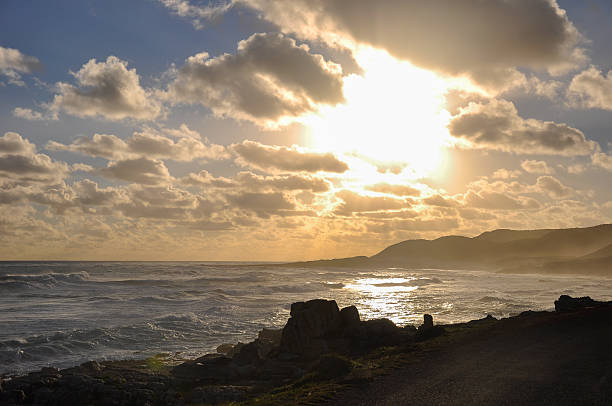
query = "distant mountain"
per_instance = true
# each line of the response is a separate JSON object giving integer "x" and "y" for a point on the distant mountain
{"x": 573, "y": 250}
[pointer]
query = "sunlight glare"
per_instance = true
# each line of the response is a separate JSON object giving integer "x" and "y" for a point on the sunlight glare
{"x": 393, "y": 113}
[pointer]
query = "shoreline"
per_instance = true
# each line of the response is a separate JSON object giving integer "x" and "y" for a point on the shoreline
{"x": 323, "y": 354}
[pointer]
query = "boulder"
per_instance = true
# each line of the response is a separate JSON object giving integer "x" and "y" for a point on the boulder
{"x": 213, "y": 367}
{"x": 310, "y": 323}
{"x": 427, "y": 329}
{"x": 349, "y": 317}
{"x": 270, "y": 335}
{"x": 225, "y": 348}
{"x": 567, "y": 303}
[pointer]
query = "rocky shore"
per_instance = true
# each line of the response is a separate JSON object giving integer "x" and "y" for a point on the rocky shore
{"x": 323, "y": 355}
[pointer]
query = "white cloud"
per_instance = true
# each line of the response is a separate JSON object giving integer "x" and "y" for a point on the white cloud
{"x": 270, "y": 80}
{"x": 31, "y": 115}
{"x": 198, "y": 14}
{"x": 149, "y": 143}
{"x": 553, "y": 187}
{"x": 13, "y": 63}
{"x": 591, "y": 89}
{"x": 538, "y": 167}
{"x": 353, "y": 202}
{"x": 106, "y": 89}
{"x": 602, "y": 160}
{"x": 503, "y": 173}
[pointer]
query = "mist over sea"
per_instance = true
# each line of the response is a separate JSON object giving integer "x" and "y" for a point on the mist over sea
{"x": 64, "y": 313}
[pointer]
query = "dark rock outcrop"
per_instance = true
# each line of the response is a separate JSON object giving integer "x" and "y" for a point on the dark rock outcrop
{"x": 427, "y": 330}
{"x": 310, "y": 324}
{"x": 567, "y": 303}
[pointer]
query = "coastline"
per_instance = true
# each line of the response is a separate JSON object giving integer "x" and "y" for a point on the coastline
{"x": 328, "y": 355}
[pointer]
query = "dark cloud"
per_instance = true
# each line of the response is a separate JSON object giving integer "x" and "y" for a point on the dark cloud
{"x": 499, "y": 201}
{"x": 353, "y": 202}
{"x": 450, "y": 36}
{"x": 262, "y": 204}
{"x": 19, "y": 162}
{"x": 140, "y": 170}
{"x": 497, "y": 126}
{"x": 268, "y": 80}
{"x": 265, "y": 157}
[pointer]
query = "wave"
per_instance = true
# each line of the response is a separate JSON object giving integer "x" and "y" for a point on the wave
{"x": 24, "y": 281}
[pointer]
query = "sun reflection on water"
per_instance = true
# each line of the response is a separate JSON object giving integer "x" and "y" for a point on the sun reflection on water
{"x": 386, "y": 297}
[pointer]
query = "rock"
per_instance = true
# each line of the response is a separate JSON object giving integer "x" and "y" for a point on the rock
{"x": 218, "y": 394}
{"x": 427, "y": 321}
{"x": 225, "y": 348}
{"x": 50, "y": 371}
{"x": 13, "y": 396}
{"x": 349, "y": 317}
{"x": 91, "y": 366}
{"x": 427, "y": 330}
{"x": 215, "y": 367}
{"x": 567, "y": 303}
{"x": 270, "y": 335}
{"x": 310, "y": 323}
{"x": 487, "y": 319}
{"x": 333, "y": 366}
{"x": 248, "y": 354}
{"x": 380, "y": 327}
{"x": 267, "y": 341}
{"x": 235, "y": 349}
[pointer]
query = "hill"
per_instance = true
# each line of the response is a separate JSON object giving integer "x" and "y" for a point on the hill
{"x": 572, "y": 250}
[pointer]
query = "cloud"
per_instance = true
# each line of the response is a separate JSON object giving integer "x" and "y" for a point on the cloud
{"x": 20, "y": 162}
{"x": 13, "y": 63}
{"x": 140, "y": 170}
{"x": 503, "y": 173}
{"x": 149, "y": 143}
{"x": 497, "y": 126}
{"x": 262, "y": 204}
{"x": 266, "y": 157}
{"x": 454, "y": 37}
{"x": 538, "y": 167}
{"x": 602, "y": 160}
{"x": 591, "y": 89}
{"x": 31, "y": 115}
{"x": 269, "y": 80}
{"x": 253, "y": 182}
{"x": 198, "y": 14}
{"x": 106, "y": 89}
{"x": 440, "y": 201}
{"x": 100, "y": 145}
{"x": 397, "y": 190}
{"x": 499, "y": 201}
{"x": 353, "y": 202}
{"x": 553, "y": 187}
{"x": 90, "y": 194}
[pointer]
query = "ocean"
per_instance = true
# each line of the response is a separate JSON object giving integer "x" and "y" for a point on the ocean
{"x": 64, "y": 313}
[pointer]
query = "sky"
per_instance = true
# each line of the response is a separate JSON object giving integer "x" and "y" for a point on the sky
{"x": 276, "y": 130}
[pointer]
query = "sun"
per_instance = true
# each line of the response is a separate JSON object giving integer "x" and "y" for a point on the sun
{"x": 394, "y": 112}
